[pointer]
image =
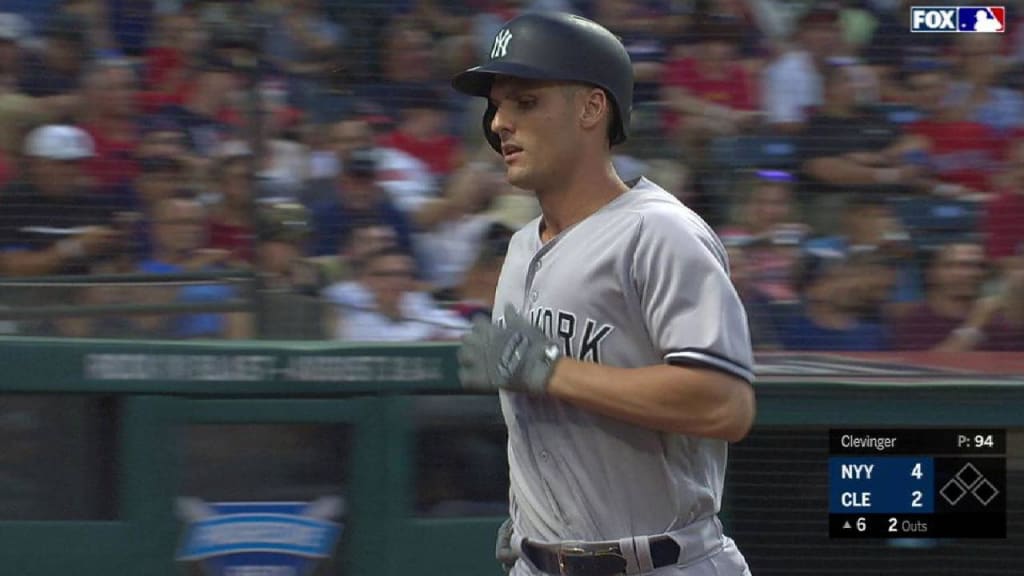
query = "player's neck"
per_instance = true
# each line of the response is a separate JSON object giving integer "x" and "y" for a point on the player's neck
{"x": 584, "y": 192}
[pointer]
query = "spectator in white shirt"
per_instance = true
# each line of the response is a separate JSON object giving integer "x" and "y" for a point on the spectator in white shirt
{"x": 383, "y": 305}
{"x": 792, "y": 85}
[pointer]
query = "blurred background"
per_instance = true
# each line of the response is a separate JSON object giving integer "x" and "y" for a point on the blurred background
{"x": 300, "y": 170}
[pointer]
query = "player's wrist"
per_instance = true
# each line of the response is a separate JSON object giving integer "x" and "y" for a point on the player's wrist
{"x": 535, "y": 369}
{"x": 559, "y": 381}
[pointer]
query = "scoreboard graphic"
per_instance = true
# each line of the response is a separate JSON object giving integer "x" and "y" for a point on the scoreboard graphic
{"x": 914, "y": 483}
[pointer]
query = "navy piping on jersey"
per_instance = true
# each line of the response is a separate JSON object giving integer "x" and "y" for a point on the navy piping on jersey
{"x": 695, "y": 356}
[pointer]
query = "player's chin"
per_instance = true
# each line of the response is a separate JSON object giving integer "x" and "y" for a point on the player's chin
{"x": 516, "y": 176}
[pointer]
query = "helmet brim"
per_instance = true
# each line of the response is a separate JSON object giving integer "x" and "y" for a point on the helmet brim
{"x": 477, "y": 81}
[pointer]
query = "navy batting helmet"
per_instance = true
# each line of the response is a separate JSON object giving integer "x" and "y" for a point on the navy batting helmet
{"x": 556, "y": 46}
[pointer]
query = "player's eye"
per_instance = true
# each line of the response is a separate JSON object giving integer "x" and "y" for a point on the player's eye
{"x": 526, "y": 103}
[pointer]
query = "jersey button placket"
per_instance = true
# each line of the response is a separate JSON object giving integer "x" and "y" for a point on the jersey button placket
{"x": 531, "y": 296}
{"x": 535, "y": 295}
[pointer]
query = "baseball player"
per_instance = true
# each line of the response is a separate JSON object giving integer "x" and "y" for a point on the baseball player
{"x": 618, "y": 345}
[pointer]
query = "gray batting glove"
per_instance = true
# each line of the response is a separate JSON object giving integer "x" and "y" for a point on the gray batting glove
{"x": 503, "y": 551}
{"x": 518, "y": 356}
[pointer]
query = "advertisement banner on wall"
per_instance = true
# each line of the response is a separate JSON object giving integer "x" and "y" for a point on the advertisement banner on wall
{"x": 259, "y": 538}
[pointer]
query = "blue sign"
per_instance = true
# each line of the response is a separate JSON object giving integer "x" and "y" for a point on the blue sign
{"x": 259, "y": 538}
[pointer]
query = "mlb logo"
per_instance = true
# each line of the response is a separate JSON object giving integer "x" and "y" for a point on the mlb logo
{"x": 982, "y": 19}
{"x": 958, "y": 19}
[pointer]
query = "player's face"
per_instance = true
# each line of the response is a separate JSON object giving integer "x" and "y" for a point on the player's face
{"x": 535, "y": 121}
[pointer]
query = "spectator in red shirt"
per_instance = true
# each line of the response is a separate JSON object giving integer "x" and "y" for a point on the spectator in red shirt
{"x": 231, "y": 226}
{"x": 959, "y": 153}
{"x": 952, "y": 313}
{"x": 207, "y": 102}
{"x": 709, "y": 93}
{"x": 111, "y": 91}
{"x": 178, "y": 45}
{"x": 421, "y": 131}
{"x": 1004, "y": 218}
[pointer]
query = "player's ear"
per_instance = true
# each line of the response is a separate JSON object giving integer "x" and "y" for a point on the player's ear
{"x": 596, "y": 107}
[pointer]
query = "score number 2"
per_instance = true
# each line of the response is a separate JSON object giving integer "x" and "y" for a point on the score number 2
{"x": 916, "y": 494}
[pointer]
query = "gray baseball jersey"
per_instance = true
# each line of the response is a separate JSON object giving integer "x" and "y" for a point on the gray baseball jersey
{"x": 642, "y": 281}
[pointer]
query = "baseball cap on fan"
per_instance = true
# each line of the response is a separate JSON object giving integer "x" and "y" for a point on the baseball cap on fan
{"x": 13, "y": 27}
{"x": 59, "y": 142}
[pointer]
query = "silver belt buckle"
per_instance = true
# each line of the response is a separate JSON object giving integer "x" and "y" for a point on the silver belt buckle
{"x": 564, "y": 552}
{"x": 576, "y": 551}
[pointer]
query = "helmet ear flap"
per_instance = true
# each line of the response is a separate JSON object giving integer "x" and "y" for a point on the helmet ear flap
{"x": 492, "y": 138}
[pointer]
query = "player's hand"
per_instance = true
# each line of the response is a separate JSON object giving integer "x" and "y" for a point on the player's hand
{"x": 517, "y": 356}
{"x": 503, "y": 551}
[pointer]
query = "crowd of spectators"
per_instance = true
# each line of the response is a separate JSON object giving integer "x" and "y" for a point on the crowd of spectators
{"x": 868, "y": 182}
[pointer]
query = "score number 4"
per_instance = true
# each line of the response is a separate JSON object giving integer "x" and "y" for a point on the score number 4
{"x": 916, "y": 494}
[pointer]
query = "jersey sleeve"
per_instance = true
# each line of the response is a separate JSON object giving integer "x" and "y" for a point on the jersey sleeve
{"x": 692, "y": 312}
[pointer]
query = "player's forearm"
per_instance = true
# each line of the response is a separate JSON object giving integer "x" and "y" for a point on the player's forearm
{"x": 683, "y": 400}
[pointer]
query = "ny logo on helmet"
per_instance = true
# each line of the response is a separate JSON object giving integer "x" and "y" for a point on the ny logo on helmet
{"x": 501, "y": 43}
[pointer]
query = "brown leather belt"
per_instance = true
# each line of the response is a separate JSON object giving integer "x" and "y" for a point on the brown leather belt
{"x": 604, "y": 559}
